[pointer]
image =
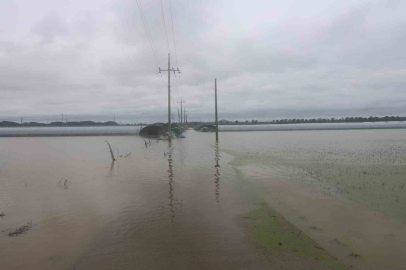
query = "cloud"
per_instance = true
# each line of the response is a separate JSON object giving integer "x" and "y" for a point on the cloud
{"x": 50, "y": 27}
{"x": 272, "y": 59}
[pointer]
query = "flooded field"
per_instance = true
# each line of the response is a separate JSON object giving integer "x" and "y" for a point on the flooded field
{"x": 256, "y": 200}
{"x": 345, "y": 189}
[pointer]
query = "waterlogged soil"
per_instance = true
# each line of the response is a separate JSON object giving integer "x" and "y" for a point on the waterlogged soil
{"x": 344, "y": 189}
{"x": 365, "y": 166}
{"x": 278, "y": 235}
{"x": 380, "y": 187}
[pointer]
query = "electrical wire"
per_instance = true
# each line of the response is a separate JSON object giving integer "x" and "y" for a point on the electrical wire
{"x": 148, "y": 32}
{"x": 173, "y": 34}
{"x": 166, "y": 31}
{"x": 144, "y": 22}
{"x": 176, "y": 53}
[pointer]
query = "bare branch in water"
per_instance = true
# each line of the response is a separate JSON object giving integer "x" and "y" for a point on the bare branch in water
{"x": 111, "y": 152}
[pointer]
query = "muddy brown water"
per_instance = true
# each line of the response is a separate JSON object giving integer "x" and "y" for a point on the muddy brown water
{"x": 162, "y": 207}
{"x": 345, "y": 189}
{"x": 177, "y": 205}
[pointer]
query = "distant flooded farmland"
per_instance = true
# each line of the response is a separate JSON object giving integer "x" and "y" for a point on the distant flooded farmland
{"x": 344, "y": 188}
{"x": 195, "y": 204}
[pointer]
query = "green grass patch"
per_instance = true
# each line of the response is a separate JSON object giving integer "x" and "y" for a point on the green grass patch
{"x": 275, "y": 233}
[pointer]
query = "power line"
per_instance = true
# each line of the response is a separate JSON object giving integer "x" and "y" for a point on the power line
{"x": 176, "y": 53}
{"x": 173, "y": 33}
{"x": 166, "y": 31}
{"x": 148, "y": 32}
{"x": 144, "y": 22}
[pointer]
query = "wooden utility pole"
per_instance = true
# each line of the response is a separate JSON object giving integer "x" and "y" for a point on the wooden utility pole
{"x": 178, "y": 117}
{"x": 169, "y": 92}
{"x": 181, "y": 111}
{"x": 217, "y": 125}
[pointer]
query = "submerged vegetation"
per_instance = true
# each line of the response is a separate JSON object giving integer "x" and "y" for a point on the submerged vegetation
{"x": 126, "y": 155}
{"x": 64, "y": 183}
{"x": 371, "y": 174}
{"x": 275, "y": 233}
{"x": 21, "y": 230}
{"x": 114, "y": 158}
{"x": 354, "y": 255}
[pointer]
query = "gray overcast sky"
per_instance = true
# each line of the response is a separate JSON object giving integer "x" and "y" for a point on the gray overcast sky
{"x": 272, "y": 59}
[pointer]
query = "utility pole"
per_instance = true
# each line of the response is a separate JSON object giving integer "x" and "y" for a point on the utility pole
{"x": 217, "y": 125}
{"x": 178, "y": 117}
{"x": 182, "y": 119}
{"x": 169, "y": 92}
{"x": 184, "y": 115}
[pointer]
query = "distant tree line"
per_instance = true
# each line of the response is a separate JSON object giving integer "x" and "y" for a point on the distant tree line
{"x": 341, "y": 120}
{"x": 317, "y": 120}
{"x": 58, "y": 124}
{"x": 221, "y": 122}
{"x": 67, "y": 123}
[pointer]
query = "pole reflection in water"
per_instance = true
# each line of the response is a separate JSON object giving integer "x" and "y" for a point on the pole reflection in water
{"x": 217, "y": 173}
{"x": 170, "y": 171}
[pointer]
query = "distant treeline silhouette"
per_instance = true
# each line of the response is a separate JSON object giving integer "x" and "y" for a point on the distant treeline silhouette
{"x": 341, "y": 120}
{"x": 316, "y": 120}
{"x": 58, "y": 124}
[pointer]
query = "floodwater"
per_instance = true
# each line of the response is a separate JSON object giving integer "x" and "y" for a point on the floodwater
{"x": 162, "y": 207}
{"x": 179, "y": 205}
{"x": 345, "y": 189}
